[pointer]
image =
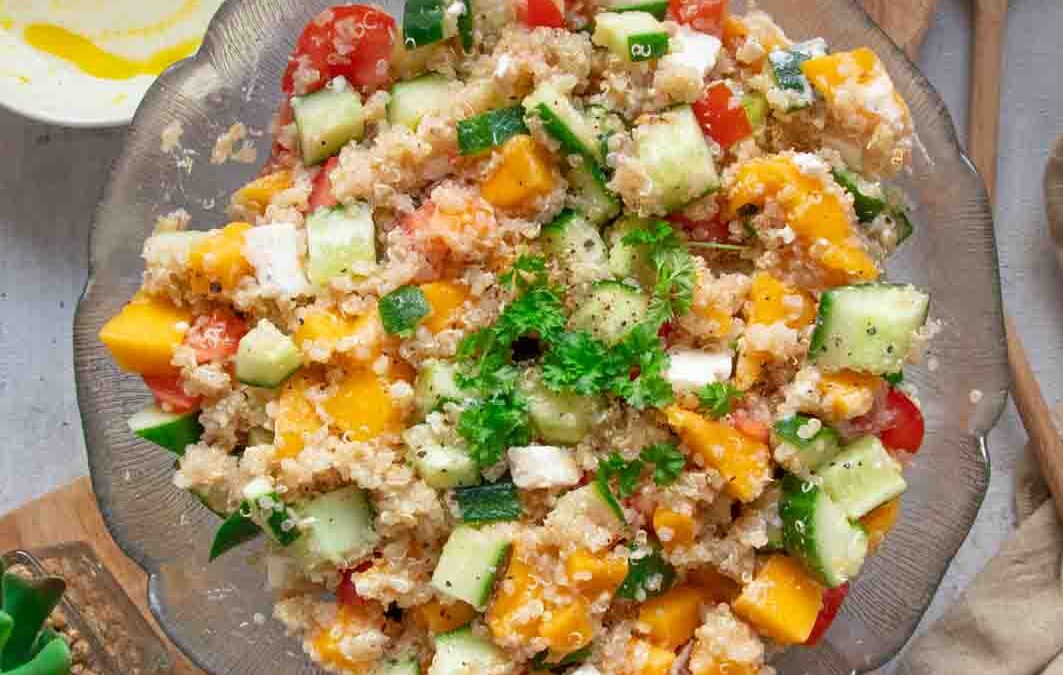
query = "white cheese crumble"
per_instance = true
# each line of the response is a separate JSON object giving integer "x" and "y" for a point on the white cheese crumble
{"x": 543, "y": 466}
{"x": 694, "y": 50}
{"x": 273, "y": 250}
{"x": 690, "y": 369}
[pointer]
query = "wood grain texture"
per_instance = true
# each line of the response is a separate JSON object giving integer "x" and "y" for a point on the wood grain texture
{"x": 987, "y": 57}
{"x": 905, "y": 21}
{"x": 70, "y": 514}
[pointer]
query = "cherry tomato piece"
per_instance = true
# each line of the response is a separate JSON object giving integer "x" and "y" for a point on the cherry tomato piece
{"x": 906, "y": 427}
{"x": 722, "y": 116}
{"x": 216, "y": 335}
{"x": 702, "y": 15}
{"x": 543, "y": 13}
{"x": 832, "y": 602}
{"x": 170, "y": 394}
{"x": 321, "y": 192}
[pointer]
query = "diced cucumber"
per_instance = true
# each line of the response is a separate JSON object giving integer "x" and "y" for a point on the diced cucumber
{"x": 339, "y": 528}
{"x": 266, "y": 357}
{"x": 786, "y": 67}
{"x": 605, "y": 123}
{"x": 436, "y": 384}
{"x": 631, "y": 35}
{"x": 868, "y": 200}
{"x": 543, "y": 466}
{"x": 172, "y": 431}
{"x": 813, "y": 450}
{"x": 658, "y": 8}
{"x": 692, "y": 369}
{"x": 593, "y": 502}
{"x": 675, "y": 154}
{"x": 469, "y": 563}
{"x": 611, "y": 311}
{"x": 327, "y": 119}
{"x": 577, "y": 245}
{"x": 463, "y": 652}
{"x": 626, "y": 261}
{"x": 402, "y": 309}
{"x": 589, "y": 194}
{"x": 816, "y": 530}
{"x": 238, "y": 528}
{"x": 269, "y": 511}
{"x": 405, "y": 665}
{"x": 563, "y": 121}
{"x": 441, "y": 466}
{"x": 490, "y": 129}
{"x": 863, "y": 476}
{"x": 648, "y": 575}
{"x": 775, "y": 538}
{"x": 559, "y": 417}
{"x": 413, "y": 99}
{"x": 341, "y": 242}
{"x": 489, "y": 502}
{"x": 425, "y": 22}
{"x": 756, "y": 107}
{"x": 869, "y": 327}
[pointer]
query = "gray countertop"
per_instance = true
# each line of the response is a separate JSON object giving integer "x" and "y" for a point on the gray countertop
{"x": 52, "y": 179}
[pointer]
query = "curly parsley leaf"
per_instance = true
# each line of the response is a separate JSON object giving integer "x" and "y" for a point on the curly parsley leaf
{"x": 525, "y": 266}
{"x": 673, "y": 291}
{"x": 539, "y": 310}
{"x": 493, "y": 425}
{"x": 717, "y": 398}
{"x": 626, "y": 473}
{"x": 639, "y": 364}
{"x": 577, "y": 362}
{"x": 648, "y": 575}
{"x": 667, "y": 461}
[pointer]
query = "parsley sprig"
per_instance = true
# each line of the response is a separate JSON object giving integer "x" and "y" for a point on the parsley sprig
{"x": 717, "y": 398}
{"x": 673, "y": 290}
{"x": 667, "y": 460}
{"x": 626, "y": 473}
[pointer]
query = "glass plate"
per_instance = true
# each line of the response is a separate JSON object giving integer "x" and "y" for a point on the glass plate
{"x": 210, "y": 611}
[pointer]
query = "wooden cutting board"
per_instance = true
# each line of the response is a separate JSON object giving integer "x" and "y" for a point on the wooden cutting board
{"x": 70, "y": 513}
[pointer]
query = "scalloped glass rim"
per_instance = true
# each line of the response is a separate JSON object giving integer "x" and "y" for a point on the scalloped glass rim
{"x": 210, "y": 611}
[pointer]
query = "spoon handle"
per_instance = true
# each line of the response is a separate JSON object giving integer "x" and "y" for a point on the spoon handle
{"x": 987, "y": 51}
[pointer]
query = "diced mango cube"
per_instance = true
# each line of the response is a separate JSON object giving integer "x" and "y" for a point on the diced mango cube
{"x": 441, "y": 617}
{"x": 721, "y": 318}
{"x": 323, "y": 328}
{"x": 772, "y": 300}
{"x": 327, "y": 643}
{"x": 646, "y": 658}
{"x": 880, "y": 521}
{"x": 716, "y": 586}
{"x": 443, "y": 297}
{"x": 674, "y": 529}
{"x": 518, "y": 587}
{"x": 143, "y": 336}
{"x": 744, "y": 462}
{"x": 829, "y": 73}
{"x": 361, "y": 408}
{"x": 217, "y": 261}
{"x": 847, "y": 263}
{"x": 595, "y": 573}
{"x": 523, "y": 175}
{"x": 846, "y": 394}
{"x": 568, "y": 627}
{"x": 296, "y": 415}
{"x": 256, "y": 195}
{"x": 671, "y": 619}
{"x": 782, "y": 601}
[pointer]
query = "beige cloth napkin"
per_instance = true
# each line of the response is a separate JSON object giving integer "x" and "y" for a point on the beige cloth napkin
{"x": 1009, "y": 621}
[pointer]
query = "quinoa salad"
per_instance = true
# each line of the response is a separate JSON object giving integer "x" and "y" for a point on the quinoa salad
{"x": 551, "y": 337}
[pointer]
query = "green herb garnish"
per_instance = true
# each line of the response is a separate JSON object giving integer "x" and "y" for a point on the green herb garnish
{"x": 717, "y": 398}
{"x": 667, "y": 461}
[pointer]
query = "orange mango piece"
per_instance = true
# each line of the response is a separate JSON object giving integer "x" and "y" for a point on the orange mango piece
{"x": 772, "y": 300}
{"x": 143, "y": 336}
{"x": 831, "y": 72}
{"x": 595, "y": 573}
{"x": 679, "y": 528}
{"x": 716, "y": 586}
{"x": 848, "y": 393}
{"x": 361, "y": 407}
{"x": 880, "y": 521}
{"x": 782, "y": 601}
{"x": 568, "y": 627}
{"x": 218, "y": 259}
{"x": 745, "y": 463}
{"x": 523, "y": 175}
{"x": 647, "y": 658}
{"x": 256, "y": 195}
{"x": 296, "y": 416}
{"x": 517, "y": 588}
{"x": 327, "y": 640}
{"x": 327, "y": 327}
{"x": 444, "y": 297}
{"x": 672, "y": 618}
{"x": 442, "y": 617}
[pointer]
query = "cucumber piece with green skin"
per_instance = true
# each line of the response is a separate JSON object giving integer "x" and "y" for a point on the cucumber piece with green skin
{"x": 341, "y": 241}
{"x": 426, "y": 22}
{"x": 402, "y": 309}
{"x": 327, "y": 120}
{"x": 559, "y": 417}
{"x": 406, "y": 665}
{"x": 463, "y": 652}
{"x": 816, "y": 530}
{"x": 490, "y": 129}
{"x": 412, "y": 99}
{"x": 786, "y": 67}
{"x": 469, "y": 563}
{"x": 631, "y": 35}
{"x": 862, "y": 477}
{"x": 672, "y": 149}
{"x": 436, "y": 383}
{"x": 657, "y": 8}
{"x": 489, "y": 502}
{"x": 627, "y": 261}
{"x": 338, "y": 528}
{"x": 172, "y": 431}
{"x": 590, "y": 196}
{"x": 593, "y": 501}
{"x": 577, "y": 246}
{"x": 563, "y": 121}
{"x": 868, "y": 327}
{"x": 270, "y": 513}
{"x": 443, "y": 466}
{"x": 648, "y": 575}
{"x": 756, "y": 107}
{"x": 266, "y": 357}
{"x": 611, "y": 311}
{"x": 868, "y": 200}
{"x": 813, "y": 451}
{"x": 238, "y": 528}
